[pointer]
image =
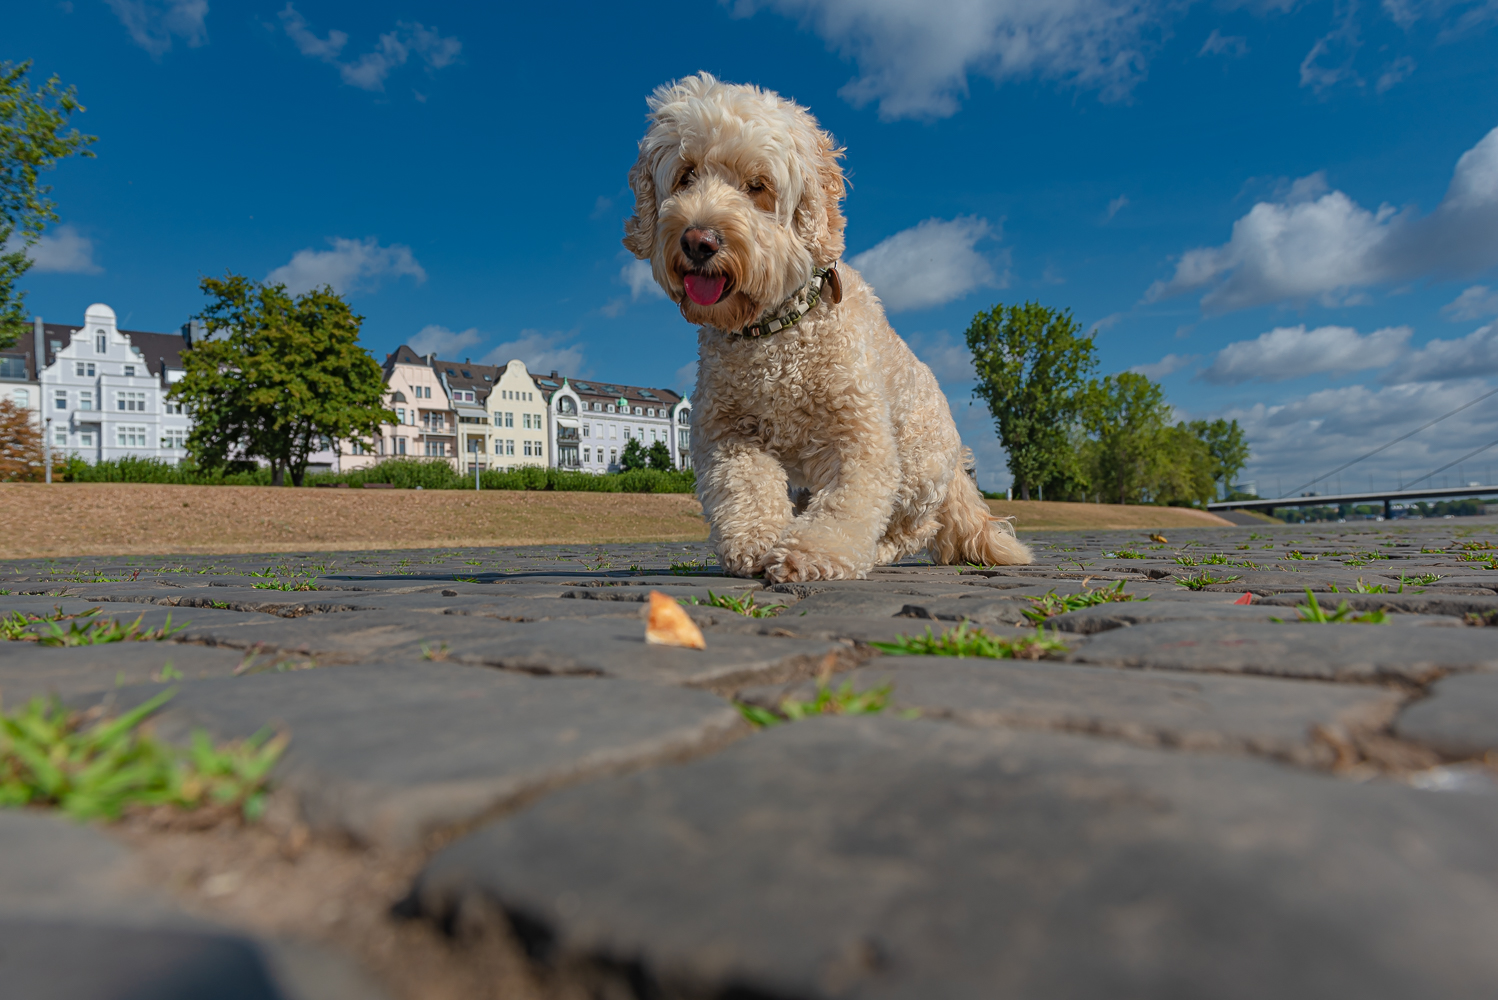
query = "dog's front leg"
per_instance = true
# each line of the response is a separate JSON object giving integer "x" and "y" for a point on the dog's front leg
{"x": 743, "y": 492}
{"x": 838, "y": 536}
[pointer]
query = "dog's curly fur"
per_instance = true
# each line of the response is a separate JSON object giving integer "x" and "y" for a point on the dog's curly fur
{"x": 828, "y": 448}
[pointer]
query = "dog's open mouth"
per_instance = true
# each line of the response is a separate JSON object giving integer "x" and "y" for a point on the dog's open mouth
{"x": 705, "y": 289}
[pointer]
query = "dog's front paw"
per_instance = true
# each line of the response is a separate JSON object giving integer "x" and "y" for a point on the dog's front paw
{"x": 741, "y": 559}
{"x": 784, "y": 564}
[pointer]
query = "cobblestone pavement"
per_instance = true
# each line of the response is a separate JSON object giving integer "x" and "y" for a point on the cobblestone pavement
{"x": 1200, "y": 795}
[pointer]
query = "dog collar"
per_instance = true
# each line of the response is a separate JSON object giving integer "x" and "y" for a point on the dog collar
{"x": 824, "y": 280}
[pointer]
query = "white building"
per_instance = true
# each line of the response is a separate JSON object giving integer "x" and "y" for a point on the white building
{"x": 103, "y": 390}
{"x": 18, "y": 381}
{"x": 611, "y": 415}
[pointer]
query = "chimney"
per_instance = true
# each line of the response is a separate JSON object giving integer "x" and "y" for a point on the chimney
{"x": 468, "y": 361}
{"x": 39, "y": 329}
{"x": 553, "y": 373}
{"x": 161, "y": 369}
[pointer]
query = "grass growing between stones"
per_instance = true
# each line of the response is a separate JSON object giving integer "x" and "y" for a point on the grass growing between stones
{"x": 965, "y": 640}
{"x": 93, "y": 768}
{"x": 1055, "y": 604}
{"x": 842, "y": 700}
{"x": 1313, "y": 612}
{"x": 1201, "y": 581}
{"x": 16, "y": 627}
{"x": 738, "y": 605}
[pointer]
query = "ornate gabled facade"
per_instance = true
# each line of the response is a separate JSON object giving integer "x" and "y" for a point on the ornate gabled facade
{"x": 612, "y": 414}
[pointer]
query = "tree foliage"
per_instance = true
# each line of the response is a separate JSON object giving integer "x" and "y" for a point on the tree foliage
{"x": 277, "y": 378}
{"x": 1032, "y": 364}
{"x": 634, "y": 456}
{"x": 659, "y": 457}
{"x": 1228, "y": 447}
{"x": 20, "y": 445}
{"x": 33, "y": 137}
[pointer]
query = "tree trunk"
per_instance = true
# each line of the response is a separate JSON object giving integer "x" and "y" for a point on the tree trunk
{"x": 298, "y": 474}
{"x": 277, "y": 474}
{"x": 1024, "y": 491}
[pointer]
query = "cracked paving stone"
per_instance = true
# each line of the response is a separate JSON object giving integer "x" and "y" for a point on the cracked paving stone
{"x": 1459, "y": 719}
{"x": 79, "y": 922}
{"x": 389, "y": 754}
{"x": 1103, "y": 617}
{"x": 881, "y": 858}
{"x": 1419, "y": 604}
{"x": 1202, "y": 712}
{"x": 1337, "y": 652}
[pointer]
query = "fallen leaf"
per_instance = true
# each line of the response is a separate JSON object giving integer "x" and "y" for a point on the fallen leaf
{"x": 1245, "y": 599}
{"x": 669, "y": 625}
{"x": 1159, "y": 538}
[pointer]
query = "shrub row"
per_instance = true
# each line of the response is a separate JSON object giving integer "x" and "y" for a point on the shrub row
{"x": 403, "y": 473}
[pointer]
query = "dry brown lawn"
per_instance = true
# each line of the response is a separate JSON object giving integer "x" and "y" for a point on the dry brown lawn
{"x": 83, "y": 519}
{"x": 1037, "y": 515}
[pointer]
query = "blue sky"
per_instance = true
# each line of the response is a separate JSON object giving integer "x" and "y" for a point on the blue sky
{"x": 1286, "y": 211}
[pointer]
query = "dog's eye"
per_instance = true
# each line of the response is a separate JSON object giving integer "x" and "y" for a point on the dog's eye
{"x": 687, "y": 177}
{"x": 755, "y": 186}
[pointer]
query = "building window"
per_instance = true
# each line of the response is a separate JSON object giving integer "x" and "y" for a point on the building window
{"x": 527, "y": 446}
{"x": 638, "y": 411}
{"x": 565, "y": 405}
{"x": 510, "y": 446}
{"x": 587, "y": 455}
{"x": 613, "y": 430}
{"x": 86, "y": 439}
{"x": 400, "y": 414}
{"x": 681, "y": 438}
{"x": 83, "y": 369}
{"x": 101, "y": 344}
{"x": 134, "y": 402}
{"x": 61, "y": 402}
{"x": 626, "y": 433}
{"x": 509, "y": 420}
{"x": 21, "y": 397}
{"x": 60, "y": 437}
{"x": 174, "y": 437}
{"x": 130, "y": 371}
{"x": 131, "y": 437}
{"x": 172, "y": 407}
{"x": 613, "y": 455}
{"x": 400, "y": 446}
{"x": 85, "y": 400}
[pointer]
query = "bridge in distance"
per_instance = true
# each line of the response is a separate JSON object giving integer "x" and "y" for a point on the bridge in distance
{"x": 1387, "y": 498}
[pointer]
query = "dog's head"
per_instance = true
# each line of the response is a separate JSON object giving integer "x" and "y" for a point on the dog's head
{"x": 736, "y": 199}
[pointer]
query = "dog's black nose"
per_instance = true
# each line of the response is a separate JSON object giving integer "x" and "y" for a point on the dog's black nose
{"x": 700, "y": 244}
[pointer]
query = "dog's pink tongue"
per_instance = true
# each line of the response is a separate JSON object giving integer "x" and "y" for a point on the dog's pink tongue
{"x": 704, "y": 290}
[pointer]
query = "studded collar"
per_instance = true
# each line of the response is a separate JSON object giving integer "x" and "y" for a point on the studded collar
{"x": 824, "y": 282}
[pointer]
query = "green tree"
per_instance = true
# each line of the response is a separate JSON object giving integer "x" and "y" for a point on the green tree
{"x": 659, "y": 457}
{"x": 1032, "y": 364}
{"x": 1127, "y": 416}
{"x": 33, "y": 137}
{"x": 277, "y": 378}
{"x": 634, "y": 456}
{"x": 1228, "y": 447}
{"x": 1183, "y": 474}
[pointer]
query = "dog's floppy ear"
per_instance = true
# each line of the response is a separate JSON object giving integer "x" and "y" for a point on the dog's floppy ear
{"x": 819, "y": 217}
{"x": 639, "y": 231}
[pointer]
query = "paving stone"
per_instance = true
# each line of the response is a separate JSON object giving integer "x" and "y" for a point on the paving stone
{"x": 1423, "y": 604}
{"x": 39, "y": 606}
{"x": 874, "y": 588}
{"x": 1459, "y": 719}
{"x": 1202, "y": 712}
{"x": 881, "y": 858}
{"x": 388, "y": 754}
{"x": 797, "y": 626}
{"x": 349, "y": 637}
{"x": 862, "y": 604}
{"x": 616, "y": 647}
{"x": 1338, "y": 652}
{"x": 78, "y": 922}
{"x": 28, "y": 670}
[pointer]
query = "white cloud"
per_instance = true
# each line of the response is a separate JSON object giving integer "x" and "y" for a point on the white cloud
{"x": 1474, "y": 303}
{"x": 930, "y": 264}
{"x": 153, "y": 24}
{"x": 1168, "y": 365}
{"x": 1293, "y": 351}
{"x": 62, "y": 251}
{"x": 1395, "y": 73}
{"x": 1319, "y": 246}
{"x": 914, "y": 57}
{"x": 1218, "y": 44}
{"x": 370, "y": 70}
{"x": 1296, "y": 441}
{"x": 541, "y": 352}
{"x": 1117, "y": 205}
{"x": 636, "y": 274}
{"x": 1472, "y": 356}
{"x": 1330, "y": 60}
{"x": 351, "y": 266}
{"x": 435, "y": 339}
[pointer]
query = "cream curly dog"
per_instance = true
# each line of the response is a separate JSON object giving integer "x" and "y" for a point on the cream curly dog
{"x": 822, "y": 446}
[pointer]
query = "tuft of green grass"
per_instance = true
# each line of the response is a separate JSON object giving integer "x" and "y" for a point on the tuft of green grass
{"x": 1203, "y": 580}
{"x": 1186, "y": 561}
{"x": 738, "y": 605}
{"x": 1052, "y": 603}
{"x": 1297, "y": 554}
{"x": 1124, "y": 554}
{"x": 83, "y": 633}
{"x": 842, "y": 700}
{"x": 1313, "y": 612}
{"x": 1423, "y": 580}
{"x": 96, "y": 768}
{"x": 15, "y": 627}
{"x": 965, "y": 640}
{"x": 292, "y": 584}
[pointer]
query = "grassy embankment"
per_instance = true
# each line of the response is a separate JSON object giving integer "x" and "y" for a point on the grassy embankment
{"x": 84, "y": 519}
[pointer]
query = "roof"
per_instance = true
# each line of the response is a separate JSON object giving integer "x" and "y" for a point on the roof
{"x": 610, "y": 392}
{"x": 16, "y": 366}
{"x": 153, "y": 347}
{"x": 482, "y": 379}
